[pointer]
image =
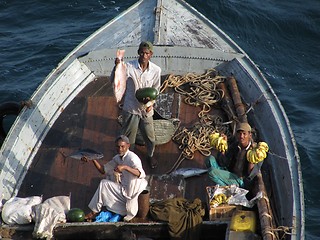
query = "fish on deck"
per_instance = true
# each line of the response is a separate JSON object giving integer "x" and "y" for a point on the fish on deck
{"x": 120, "y": 76}
{"x": 89, "y": 154}
{"x": 189, "y": 172}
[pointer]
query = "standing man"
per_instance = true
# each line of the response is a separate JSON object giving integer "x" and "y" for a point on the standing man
{"x": 125, "y": 180}
{"x": 141, "y": 73}
{"x": 233, "y": 167}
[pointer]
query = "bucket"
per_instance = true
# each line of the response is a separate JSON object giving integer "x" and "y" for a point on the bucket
{"x": 143, "y": 204}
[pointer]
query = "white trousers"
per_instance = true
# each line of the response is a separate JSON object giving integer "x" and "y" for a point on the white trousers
{"x": 112, "y": 195}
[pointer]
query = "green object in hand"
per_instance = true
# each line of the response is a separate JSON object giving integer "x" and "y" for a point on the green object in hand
{"x": 147, "y": 94}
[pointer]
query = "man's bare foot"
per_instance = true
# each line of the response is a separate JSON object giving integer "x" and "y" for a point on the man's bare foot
{"x": 90, "y": 216}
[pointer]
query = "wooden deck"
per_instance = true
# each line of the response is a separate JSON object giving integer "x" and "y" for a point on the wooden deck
{"x": 90, "y": 121}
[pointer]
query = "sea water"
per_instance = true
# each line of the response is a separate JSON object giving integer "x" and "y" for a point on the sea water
{"x": 281, "y": 37}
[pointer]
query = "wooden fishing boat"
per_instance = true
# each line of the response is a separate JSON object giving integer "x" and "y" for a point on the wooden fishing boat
{"x": 75, "y": 108}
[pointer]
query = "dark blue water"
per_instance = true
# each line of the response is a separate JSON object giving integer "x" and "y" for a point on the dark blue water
{"x": 282, "y": 37}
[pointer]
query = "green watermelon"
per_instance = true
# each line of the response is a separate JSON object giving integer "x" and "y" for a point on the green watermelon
{"x": 143, "y": 93}
{"x": 75, "y": 215}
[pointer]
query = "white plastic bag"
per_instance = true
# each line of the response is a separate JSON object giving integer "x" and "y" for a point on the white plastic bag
{"x": 48, "y": 214}
{"x": 18, "y": 210}
{"x": 235, "y": 195}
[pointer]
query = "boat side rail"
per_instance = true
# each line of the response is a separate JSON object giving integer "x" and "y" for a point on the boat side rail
{"x": 171, "y": 59}
{"x": 32, "y": 125}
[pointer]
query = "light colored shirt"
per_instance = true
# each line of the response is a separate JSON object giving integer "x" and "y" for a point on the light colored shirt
{"x": 130, "y": 159}
{"x": 137, "y": 79}
{"x": 121, "y": 198}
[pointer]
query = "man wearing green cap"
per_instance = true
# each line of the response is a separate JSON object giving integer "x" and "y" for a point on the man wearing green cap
{"x": 141, "y": 73}
{"x": 233, "y": 167}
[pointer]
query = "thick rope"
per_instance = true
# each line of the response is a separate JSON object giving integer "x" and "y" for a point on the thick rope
{"x": 284, "y": 229}
{"x": 199, "y": 90}
{"x": 194, "y": 139}
{"x": 191, "y": 140}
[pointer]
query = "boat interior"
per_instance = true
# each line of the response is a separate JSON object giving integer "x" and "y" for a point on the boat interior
{"x": 93, "y": 120}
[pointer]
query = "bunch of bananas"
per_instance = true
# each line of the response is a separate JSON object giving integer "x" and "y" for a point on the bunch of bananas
{"x": 219, "y": 199}
{"x": 218, "y": 142}
{"x": 258, "y": 153}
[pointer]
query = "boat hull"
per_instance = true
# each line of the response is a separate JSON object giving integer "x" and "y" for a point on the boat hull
{"x": 75, "y": 108}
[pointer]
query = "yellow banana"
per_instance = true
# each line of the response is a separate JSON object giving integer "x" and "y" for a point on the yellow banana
{"x": 220, "y": 144}
{"x": 225, "y": 148}
{"x": 249, "y": 152}
{"x": 224, "y": 198}
{"x": 256, "y": 154}
{"x": 263, "y": 145}
{"x": 263, "y": 153}
{"x": 214, "y": 135}
{"x": 259, "y": 154}
{"x": 219, "y": 199}
{"x": 219, "y": 141}
{"x": 213, "y": 142}
{"x": 223, "y": 145}
{"x": 251, "y": 156}
{"x": 214, "y": 202}
{"x": 256, "y": 157}
{"x": 213, "y": 138}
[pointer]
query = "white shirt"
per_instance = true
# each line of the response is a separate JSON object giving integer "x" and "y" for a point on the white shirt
{"x": 138, "y": 79}
{"x": 130, "y": 159}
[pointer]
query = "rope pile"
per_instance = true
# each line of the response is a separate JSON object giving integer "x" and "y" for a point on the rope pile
{"x": 201, "y": 90}
{"x": 194, "y": 139}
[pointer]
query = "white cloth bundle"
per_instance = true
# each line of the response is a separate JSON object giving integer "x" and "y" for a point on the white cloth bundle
{"x": 19, "y": 210}
{"x": 48, "y": 214}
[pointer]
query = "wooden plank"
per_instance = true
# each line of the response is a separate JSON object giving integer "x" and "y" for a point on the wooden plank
{"x": 149, "y": 230}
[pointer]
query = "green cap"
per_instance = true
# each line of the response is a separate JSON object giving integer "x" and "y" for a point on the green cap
{"x": 147, "y": 45}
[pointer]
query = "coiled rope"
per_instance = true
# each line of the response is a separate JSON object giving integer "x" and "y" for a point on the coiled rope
{"x": 199, "y": 90}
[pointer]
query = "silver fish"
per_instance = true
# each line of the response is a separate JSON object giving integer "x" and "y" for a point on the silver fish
{"x": 189, "y": 172}
{"x": 88, "y": 153}
{"x": 120, "y": 77}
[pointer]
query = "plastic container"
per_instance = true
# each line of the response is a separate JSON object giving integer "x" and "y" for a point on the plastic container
{"x": 243, "y": 221}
